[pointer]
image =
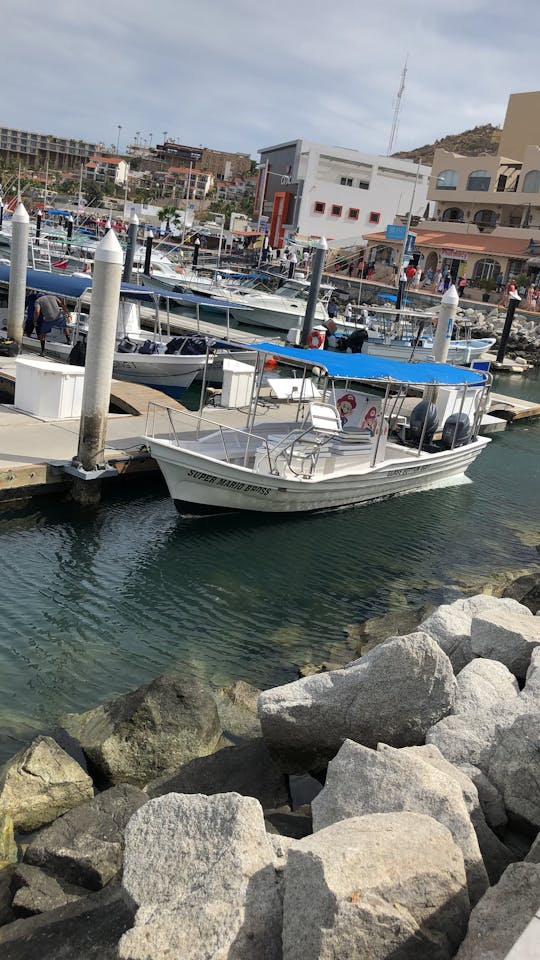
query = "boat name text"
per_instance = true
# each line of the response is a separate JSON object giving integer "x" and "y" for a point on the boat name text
{"x": 230, "y": 484}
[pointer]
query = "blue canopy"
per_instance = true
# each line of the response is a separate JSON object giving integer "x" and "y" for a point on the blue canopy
{"x": 361, "y": 366}
{"x": 72, "y": 288}
{"x": 391, "y": 297}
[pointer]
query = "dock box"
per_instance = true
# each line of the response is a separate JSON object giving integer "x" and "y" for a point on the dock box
{"x": 52, "y": 391}
{"x": 237, "y": 383}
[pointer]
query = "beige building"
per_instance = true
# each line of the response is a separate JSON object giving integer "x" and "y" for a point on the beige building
{"x": 487, "y": 208}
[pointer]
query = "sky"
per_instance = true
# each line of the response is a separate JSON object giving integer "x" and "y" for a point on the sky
{"x": 241, "y": 74}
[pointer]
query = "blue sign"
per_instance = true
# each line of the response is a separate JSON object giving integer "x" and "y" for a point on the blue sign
{"x": 394, "y": 232}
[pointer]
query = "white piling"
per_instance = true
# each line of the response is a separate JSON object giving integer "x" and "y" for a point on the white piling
{"x": 17, "y": 274}
{"x": 445, "y": 324}
{"x": 100, "y": 351}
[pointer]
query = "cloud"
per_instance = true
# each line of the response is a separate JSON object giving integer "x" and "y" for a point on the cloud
{"x": 239, "y": 75}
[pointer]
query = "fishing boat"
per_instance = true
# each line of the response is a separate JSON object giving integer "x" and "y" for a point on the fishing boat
{"x": 346, "y": 441}
{"x": 169, "y": 364}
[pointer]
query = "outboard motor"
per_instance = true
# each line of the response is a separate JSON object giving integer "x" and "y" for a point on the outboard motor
{"x": 126, "y": 346}
{"x": 77, "y": 356}
{"x": 458, "y": 424}
{"x": 423, "y": 411}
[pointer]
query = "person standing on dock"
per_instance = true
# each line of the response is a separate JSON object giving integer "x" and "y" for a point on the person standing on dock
{"x": 49, "y": 312}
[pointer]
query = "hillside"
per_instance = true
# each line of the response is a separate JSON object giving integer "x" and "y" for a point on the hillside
{"x": 471, "y": 143}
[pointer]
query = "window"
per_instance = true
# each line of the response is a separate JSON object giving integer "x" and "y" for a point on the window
{"x": 453, "y": 214}
{"x": 531, "y": 183}
{"x": 479, "y": 180}
{"x": 353, "y": 213}
{"x": 336, "y": 210}
{"x": 319, "y": 207}
{"x": 447, "y": 180}
{"x": 485, "y": 218}
{"x": 486, "y": 269}
{"x": 346, "y": 181}
{"x": 374, "y": 217}
{"x": 363, "y": 184}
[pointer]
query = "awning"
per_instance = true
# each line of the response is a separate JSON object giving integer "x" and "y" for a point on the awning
{"x": 533, "y": 262}
{"x": 361, "y": 366}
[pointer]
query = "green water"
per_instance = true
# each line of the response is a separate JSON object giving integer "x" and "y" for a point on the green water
{"x": 95, "y": 604}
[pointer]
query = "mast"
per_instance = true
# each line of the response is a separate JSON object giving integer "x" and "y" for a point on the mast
{"x": 397, "y": 108}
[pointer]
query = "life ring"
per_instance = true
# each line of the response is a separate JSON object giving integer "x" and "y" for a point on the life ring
{"x": 314, "y": 339}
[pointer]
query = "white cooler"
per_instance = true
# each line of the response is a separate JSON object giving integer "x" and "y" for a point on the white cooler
{"x": 237, "y": 383}
{"x": 52, "y": 391}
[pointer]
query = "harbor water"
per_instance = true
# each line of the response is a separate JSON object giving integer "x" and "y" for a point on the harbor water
{"x": 96, "y": 603}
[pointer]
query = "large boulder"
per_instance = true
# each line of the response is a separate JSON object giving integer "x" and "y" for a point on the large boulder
{"x": 88, "y": 929}
{"x": 525, "y": 590}
{"x": 531, "y": 691}
{"x": 375, "y": 887}
{"x": 237, "y": 709}
{"x": 450, "y": 624}
{"x": 506, "y": 636}
{"x": 361, "y": 781}
{"x": 86, "y": 846}
{"x": 247, "y": 769}
{"x": 495, "y": 855}
{"x": 490, "y": 798}
{"x": 149, "y": 732}
{"x": 502, "y": 914}
{"x": 393, "y": 694}
{"x": 468, "y": 738}
{"x": 483, "y": 684}
{"x": 8, "y": 847}
{"x": 514, "y": 767}
{"x": 533, "y": 855}
{"x": 40, "y": 783}
{"x": 37, "y": 891}
{"x": 201, "y": 871}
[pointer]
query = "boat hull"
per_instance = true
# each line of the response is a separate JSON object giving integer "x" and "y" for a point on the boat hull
{"x": 459, "y": 351}
{"x": 196, "y": 481}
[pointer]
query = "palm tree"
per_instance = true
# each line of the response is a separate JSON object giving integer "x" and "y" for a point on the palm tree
{"x": 168, "y": 214}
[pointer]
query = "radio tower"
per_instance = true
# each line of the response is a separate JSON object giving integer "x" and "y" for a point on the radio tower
{"x": 397, "y": 108}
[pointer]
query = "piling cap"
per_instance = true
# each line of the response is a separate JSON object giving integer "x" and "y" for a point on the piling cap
{"x": 321, "y": 244}
{"x": 109, "y": 250}
{"x": 450, "y": 297}
{"x": 21, "y": 214}
{"x": 134, "y": 218}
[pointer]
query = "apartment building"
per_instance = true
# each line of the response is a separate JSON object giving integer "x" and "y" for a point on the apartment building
{"x": 183, "y": 183}
{"x": 107, "y": 170}
{"x": 35, "y": 150}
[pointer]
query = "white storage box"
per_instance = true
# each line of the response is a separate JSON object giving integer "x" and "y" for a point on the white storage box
{"x": 52, "y": 391}
{"x": 237, "y": 383}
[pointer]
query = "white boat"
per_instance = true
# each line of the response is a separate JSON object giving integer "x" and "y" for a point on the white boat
{"x": 350, "y": 447}
{"x": 280, "y": 309}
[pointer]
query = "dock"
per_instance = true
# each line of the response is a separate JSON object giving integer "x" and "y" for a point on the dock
{"x": 512, "y": 408}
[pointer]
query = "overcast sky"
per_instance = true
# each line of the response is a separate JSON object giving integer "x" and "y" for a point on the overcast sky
{"x": 239, "y": 75}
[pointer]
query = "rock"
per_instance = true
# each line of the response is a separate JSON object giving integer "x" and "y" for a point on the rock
{"x": 37, "y": 891}
{"x": 490, "y": 798}
{"x": 237, "y": 709}
{"x": 514, "y": 767}
{"x": 201, "y": 871}
{"x": 88, "y": 929}
{"x": 361, "y": 781}
{"x": 149, "y": 732}
{"x": 495, "y": 855}
{"x": 502, "y": 914}
{"x": 6, "y": 896}
{"x": 247, "y": 769}
{"x": 375, "y": 887}
{"x": 525, "y": 590}
{"x": 41, "y": 783}
{"x": 86, "y": 845}
{"x": 530, "y": 694}
{"x": 393, "y": 694}
{"x": 507, "y": 637}
{"x": 483, "y": 684}
{"x": 288, "y": 824}
{"x": 8, "y": 847}
{"x": 533, "y": 855}
{"x": 395, "y": 623}
{"x": 450, "y": 624}
{"x": 469, "y": 737}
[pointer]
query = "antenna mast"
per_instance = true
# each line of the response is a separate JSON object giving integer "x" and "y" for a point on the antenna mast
{"x": 397, "y": 108}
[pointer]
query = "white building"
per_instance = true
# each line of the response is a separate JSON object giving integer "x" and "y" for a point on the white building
{"x": 314, "y": 190}
{"x": 107, "y": 169}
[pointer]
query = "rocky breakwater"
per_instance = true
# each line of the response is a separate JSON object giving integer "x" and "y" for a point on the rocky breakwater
{"x": 390, "y": 809}
{"x": 524, "y": 339}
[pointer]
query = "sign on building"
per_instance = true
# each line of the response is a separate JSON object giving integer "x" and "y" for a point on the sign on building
{"x": 395, "y": 232}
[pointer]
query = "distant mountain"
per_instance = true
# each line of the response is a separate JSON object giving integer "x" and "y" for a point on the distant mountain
{"x": 471, "y": 143}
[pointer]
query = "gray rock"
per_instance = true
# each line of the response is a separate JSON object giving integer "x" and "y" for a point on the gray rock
{"x": 531, "y": 690}
{"x": 525, "y": 590}
{"x": 506, "y": 636}
{"x": 86, "y": 845}
{"x": 293, "y": 825}
{"x": 237, "y": 709}
{"x": 247, "y": 769}
{"x": 490, "y": 798}
{"x": 393, "y": 694}
{"x": 502, "y": 914}
{"x": 533, "y": 855}
{"x": 6, "y": 896}
{"x": 149, "y": 732}
{"x": 514, "y": 767}
{"x": 201, "y": 872}
{"x": 36, "y": 891}
{"x": 495, "y": 855}
{"x": 88, "y": 929}
{"x": 375, "y": 887}
{"x": 8, "y": 847}
{"x": 40, "y": 783}
{"x": 360, "y": 781}
{"x": 376, "y": 630}
{"x": 483, "y": 684}
{"x": 469, "y": 737}
{"x": 450, "y": 624}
